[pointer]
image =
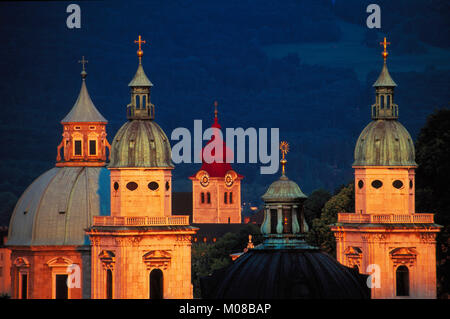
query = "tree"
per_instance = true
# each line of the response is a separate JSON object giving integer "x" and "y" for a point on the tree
{"x": 314, "y": 204}
{"x": 320, "y": 234}
{"x": 433, "y": 187}
{"x": 209, "y": 257}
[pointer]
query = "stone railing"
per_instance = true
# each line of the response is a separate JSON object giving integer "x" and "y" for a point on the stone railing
{"x": 385, "y": 218}
{"x": 140, "y": 221}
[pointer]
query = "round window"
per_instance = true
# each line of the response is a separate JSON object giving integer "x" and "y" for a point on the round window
{"x": 377, "y": 183}
{"x": 397, "y": 184}
{"x": 116, "y": 186}
{"x": 167, "y": 186}
{"x": 132, "y": 186}
{"x": 360, "y": 184}
{"x": 153, "y": 186}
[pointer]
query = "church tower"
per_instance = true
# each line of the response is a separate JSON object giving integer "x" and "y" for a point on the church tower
{"x": 385, "y": 235}
{"x": 216, "y": 187}
{"x": 141, "y": 250}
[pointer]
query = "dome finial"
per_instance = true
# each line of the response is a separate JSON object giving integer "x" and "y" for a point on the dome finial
{"x": 385, "y": 53}
{"x": 284, "y": 147}
{"x": 140, "y": 53}
{"x": 83, "y": 72}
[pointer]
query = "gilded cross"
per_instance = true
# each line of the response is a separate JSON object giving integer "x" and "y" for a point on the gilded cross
{"x": 139, "y": 41}
{"x": 83, "y": 62}
{"x": 385, "y": 44}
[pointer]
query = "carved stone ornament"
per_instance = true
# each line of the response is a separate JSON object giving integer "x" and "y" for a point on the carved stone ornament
{"x": 157, "y": 259}
{"x": 354, "y": 256}
{"x": 108, "y": 259}
{"x": 403, "y": 256}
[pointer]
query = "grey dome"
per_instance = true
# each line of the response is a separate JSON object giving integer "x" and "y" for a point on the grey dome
{"x": 57, "y": 207}
{"x": 140, "y": 143}
{"x": 384, "y": 143}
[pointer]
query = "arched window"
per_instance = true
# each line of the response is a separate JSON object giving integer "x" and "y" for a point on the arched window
{"x": 208, "y": 197}
{"x": 202, "y": 196}
{"x": 109, "y": 284}
{"x": 225, "y": 197}
{"x": 144, "y": 101}
{"x": 231, "y": 197}
{"x": 402, "y": 280}
{"x": 137, "y": 102}
{"x": 156, "y": 284}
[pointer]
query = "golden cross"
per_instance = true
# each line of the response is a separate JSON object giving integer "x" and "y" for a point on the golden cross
{"x": 83, "y": 62}
{"x": 385, "y": 44}
{"x": 139, "y": 41}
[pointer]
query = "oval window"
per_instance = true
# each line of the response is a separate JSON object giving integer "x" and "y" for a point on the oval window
{"x": 167, "y": 186}
{"x": 397, "y": 184}
{"x": 360, "y": 184}
{"x": 377, "y": 183}
{"x": 153, "y": 186}
{"x": 132, "y": 186}
{"x": 116, "y": 186}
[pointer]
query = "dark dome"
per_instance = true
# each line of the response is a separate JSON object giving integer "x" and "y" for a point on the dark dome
{"x": 283, "y": 189}
{"x": 285, "y": 274}
{"x": 384, "y": 143}
{"x": 140, "y": 143}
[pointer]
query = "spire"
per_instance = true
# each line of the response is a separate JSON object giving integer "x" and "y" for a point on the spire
{"x": 140, "y": 79}
{"x": 84, "y": 109}
{"x": 384, "y": 107}
{"x": 140, "y": 106}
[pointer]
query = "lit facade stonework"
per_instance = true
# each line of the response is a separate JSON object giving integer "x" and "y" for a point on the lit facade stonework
{"x": 141, "y": 251}
{"x": 216, "y": 187}
{"x": 385, "y": 236}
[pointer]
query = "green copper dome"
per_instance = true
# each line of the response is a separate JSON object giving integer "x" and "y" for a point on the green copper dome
{"x": 283, "y": 190}
{"x": 384, "y": 143}
{"x": 140, "y": 143}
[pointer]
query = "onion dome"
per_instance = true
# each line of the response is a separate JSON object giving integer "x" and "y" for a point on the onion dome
{"x": 284, "y": 266}
{"x": 140, "y": 142}
{"x": 384, "y": 141}
{"x": 57, "y": 207}
{"x": 216, "y": 155}
{"x": 84, "y": 109}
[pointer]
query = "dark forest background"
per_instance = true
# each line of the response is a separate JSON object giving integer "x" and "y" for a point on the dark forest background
{"x": 306, "y": 67}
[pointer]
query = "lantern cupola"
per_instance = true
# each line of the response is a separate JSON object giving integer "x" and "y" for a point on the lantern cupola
{"x": 140, "y": 107}
{"x": 84, "y": 140}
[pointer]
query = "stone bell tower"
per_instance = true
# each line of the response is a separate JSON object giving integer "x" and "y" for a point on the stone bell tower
{"x": 141, "y": 250}
{"x": 385, "y": 236}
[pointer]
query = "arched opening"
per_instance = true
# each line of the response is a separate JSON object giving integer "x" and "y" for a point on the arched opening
{"x": 225, "y": 197}
{"x": 137, "y": 102}
{"x": 231, "y": 197}
{"x": 156, "y": 284}
{"x": 109, "y": 287}
{"x": 402, "y": 280}
{"x": 273, "y": 221}
{"x": 144, "y": 101}
{"x": 208, "y": 198}
{"x": 202, "y": 197}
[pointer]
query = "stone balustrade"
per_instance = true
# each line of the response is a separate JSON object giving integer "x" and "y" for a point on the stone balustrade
{"x": 140, "y": 221}
{"x": 385, "y": 218}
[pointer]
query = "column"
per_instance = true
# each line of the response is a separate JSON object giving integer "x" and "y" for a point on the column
{"x": 279, "y": 220}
